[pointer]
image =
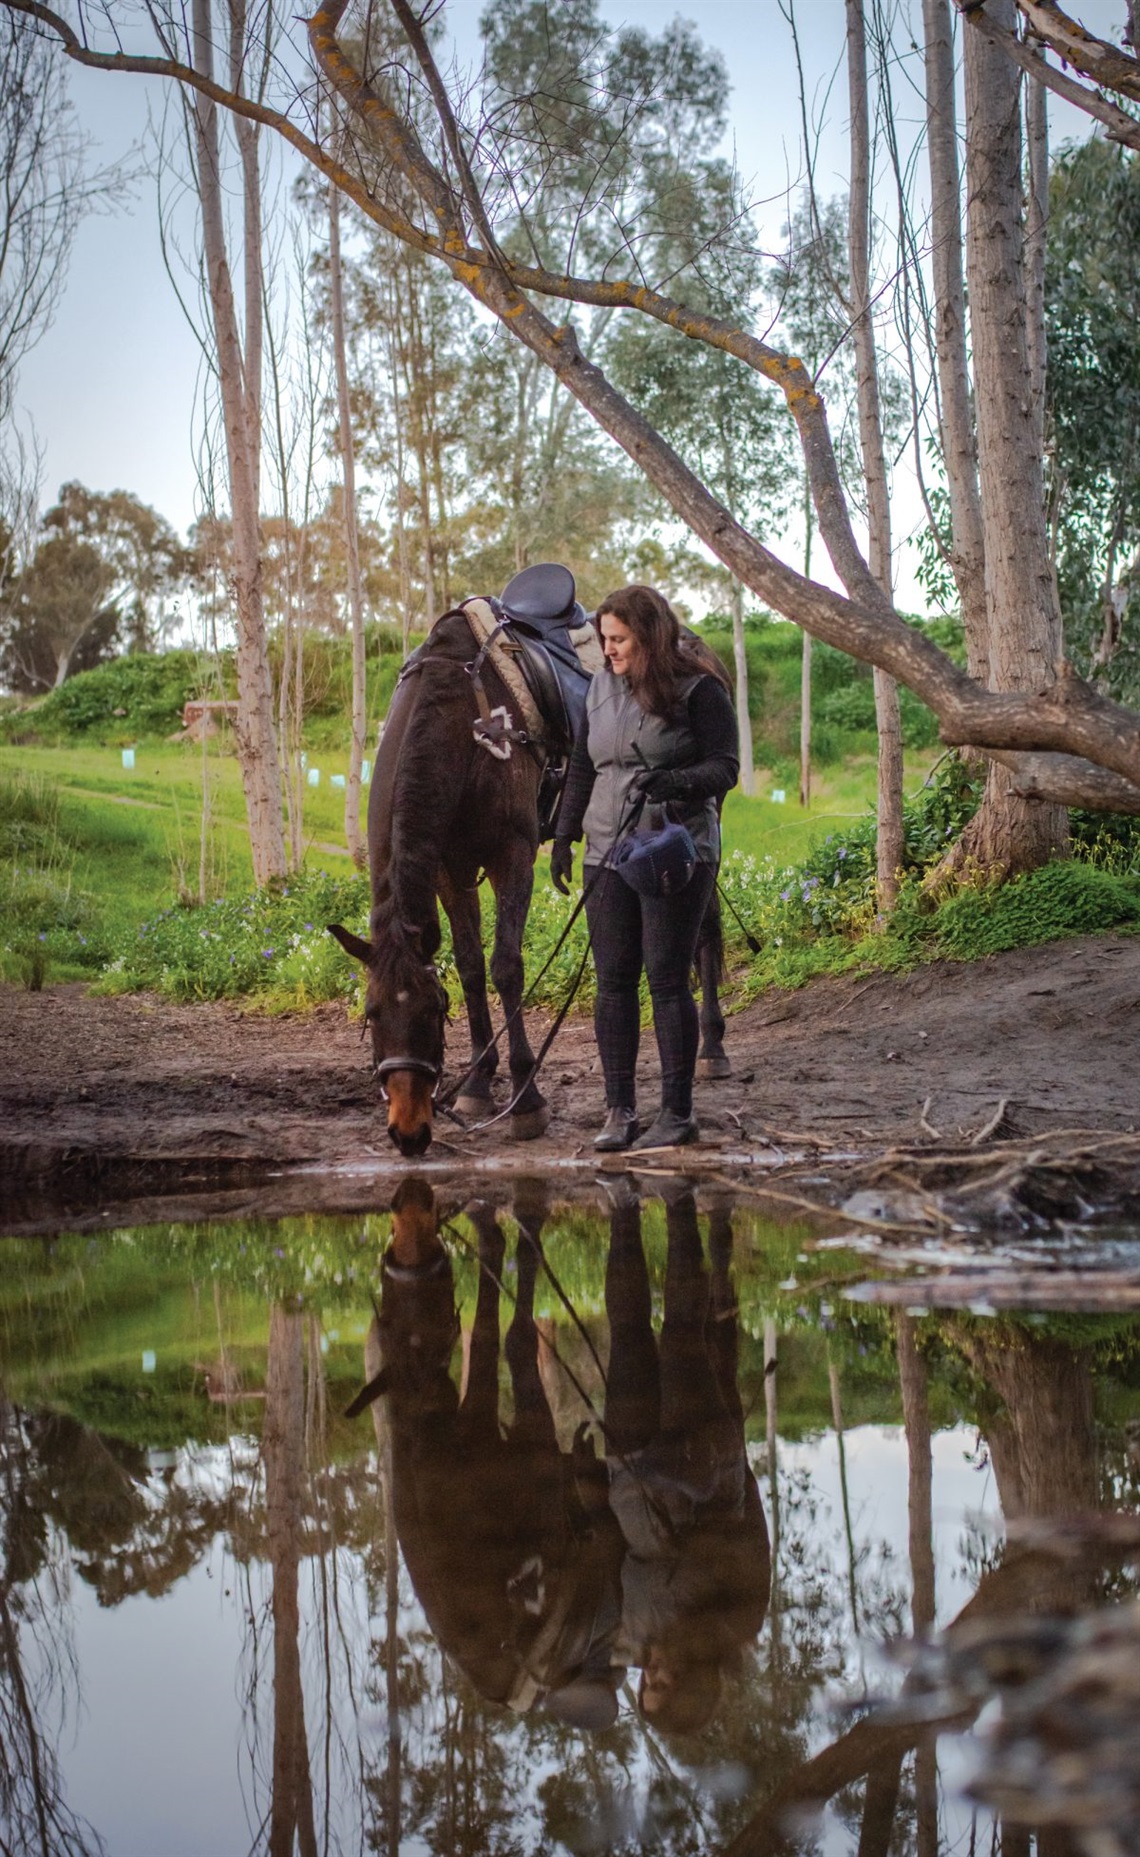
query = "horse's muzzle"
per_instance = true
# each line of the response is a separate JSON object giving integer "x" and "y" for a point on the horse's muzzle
{"x": 409, "y": 1096}
{"x": 411, "y": 1145}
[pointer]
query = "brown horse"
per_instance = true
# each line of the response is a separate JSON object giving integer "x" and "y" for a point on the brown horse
{"x": 443, "y": 812}
{"x": 455, "y": 797}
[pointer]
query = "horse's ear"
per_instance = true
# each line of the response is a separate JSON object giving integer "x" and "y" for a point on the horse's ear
{"x": 352, "y": 944}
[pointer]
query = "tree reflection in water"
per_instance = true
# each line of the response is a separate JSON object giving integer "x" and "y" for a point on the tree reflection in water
{"x": 435, "y": 1637}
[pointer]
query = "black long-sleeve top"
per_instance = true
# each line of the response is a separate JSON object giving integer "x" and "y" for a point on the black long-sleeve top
{"x": 710, "y": 775}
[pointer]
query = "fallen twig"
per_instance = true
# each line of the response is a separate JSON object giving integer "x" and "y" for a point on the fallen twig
{"x": 989, "y": 1127}
{"x": 926, "y": 1126}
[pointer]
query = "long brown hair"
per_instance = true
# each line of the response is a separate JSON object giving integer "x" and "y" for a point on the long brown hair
{"x": 668, "y": 654}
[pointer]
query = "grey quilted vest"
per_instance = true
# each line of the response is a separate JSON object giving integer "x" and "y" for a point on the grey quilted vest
{"x": 617, "y": 727}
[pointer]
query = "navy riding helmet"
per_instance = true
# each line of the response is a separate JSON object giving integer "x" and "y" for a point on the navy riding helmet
{"x": 656, "y": 863}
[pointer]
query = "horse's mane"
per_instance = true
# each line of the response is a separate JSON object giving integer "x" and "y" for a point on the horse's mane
{"x": 405, "y": 916}
{"x": 397, "y": 962}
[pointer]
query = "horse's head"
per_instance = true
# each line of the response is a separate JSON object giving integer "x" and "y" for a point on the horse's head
{"x": 405, "y": 1008}
{"x": 409, "y": 1345}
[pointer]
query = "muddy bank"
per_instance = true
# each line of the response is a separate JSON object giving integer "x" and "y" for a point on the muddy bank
{"x": 106, "y": 1101}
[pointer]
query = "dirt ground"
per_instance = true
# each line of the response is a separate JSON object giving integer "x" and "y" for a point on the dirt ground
{"x": 109, "y": 1096}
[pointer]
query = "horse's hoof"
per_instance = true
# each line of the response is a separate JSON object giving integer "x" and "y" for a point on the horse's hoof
{"x": 475, "y": 1105}
{"x": 710, "y": 1067}
{"x": 530, "y": 1125}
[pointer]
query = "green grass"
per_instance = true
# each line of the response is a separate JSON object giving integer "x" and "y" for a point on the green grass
{"x": 99, "y": 867}
{"x": 841, "y": 795}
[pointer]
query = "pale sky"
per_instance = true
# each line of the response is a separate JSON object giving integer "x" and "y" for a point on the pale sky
{"x": 111, "y": 387}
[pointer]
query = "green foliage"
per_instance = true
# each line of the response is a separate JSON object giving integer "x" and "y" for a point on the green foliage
{"x": 1092, "y": 282}
{"x": 120, "y": 702}
{"x": 1071, "y": 898}
{"x": 270, "y": 944}
{"x": 843, "y": 695}
{"x": 327, "y": 668}
{"x": 819, "y": 916}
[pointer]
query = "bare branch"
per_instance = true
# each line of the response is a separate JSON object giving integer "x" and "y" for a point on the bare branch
{"x": 1093, "y": 57}
{"x": 383, "y": 213}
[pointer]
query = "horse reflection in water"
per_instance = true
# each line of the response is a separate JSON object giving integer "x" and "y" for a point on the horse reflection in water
{"x": 508, "y": 1540}
{"x": 544, "y": 1574}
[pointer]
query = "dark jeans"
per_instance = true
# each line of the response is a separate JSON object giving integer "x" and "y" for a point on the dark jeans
{"x": 629, "y": 932}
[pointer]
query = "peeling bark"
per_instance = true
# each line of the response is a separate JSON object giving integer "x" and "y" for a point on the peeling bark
{"x": 956, "y": 422}
{"x": 1009, "y": 832}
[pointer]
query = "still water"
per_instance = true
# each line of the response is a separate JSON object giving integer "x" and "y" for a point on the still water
{"x": 622, "y": 1549}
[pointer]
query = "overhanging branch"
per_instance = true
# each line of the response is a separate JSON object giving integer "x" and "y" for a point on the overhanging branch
{"x": 1069, "y": 722}
{"x": 1119, "y": 126}
{"x": 237, "y": 104}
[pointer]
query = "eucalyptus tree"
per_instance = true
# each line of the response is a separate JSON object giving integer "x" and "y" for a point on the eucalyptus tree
{"x": 726, "y": 428}
{"x": 1093, "y": 379}
{"x": 234, "y": 352}
{"x": 889, "y": 834}
{"x": 442, "y": 177}
{"x": 103, "y": 572}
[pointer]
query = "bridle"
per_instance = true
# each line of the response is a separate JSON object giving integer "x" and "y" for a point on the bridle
{"x": 420, "y": 1065}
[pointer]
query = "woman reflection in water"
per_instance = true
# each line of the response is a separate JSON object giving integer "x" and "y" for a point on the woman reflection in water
{"x": 697, "y": 1569}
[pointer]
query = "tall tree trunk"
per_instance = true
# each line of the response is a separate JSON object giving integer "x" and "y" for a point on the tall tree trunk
{"x": 959, "y": 450}
{"x": 354, "y": 835}
{"x": 1009, "y": 833}
{"x": 889, "y": 842}
{"x": 403, "y": 561}
{"x": 844, "y": 1492}
{"x": 916, "y": 1421}
{"x": 1043, "y": 1439}
{"x": 740, "y": 662}
{"x": 1036, "y": 228}
{"x": 239, "y": 378}
{"x": 805, "y": 660}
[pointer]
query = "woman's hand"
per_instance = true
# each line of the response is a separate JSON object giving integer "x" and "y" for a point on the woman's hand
{"x": 663, "y": 783}
{"x": 562, "y": 864}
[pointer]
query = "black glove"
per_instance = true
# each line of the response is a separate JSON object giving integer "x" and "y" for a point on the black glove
{"x": 562, "y": 864}
{"x": 663, "y": 783}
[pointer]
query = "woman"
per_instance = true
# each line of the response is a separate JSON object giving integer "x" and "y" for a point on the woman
{"x": 660, "y": 728}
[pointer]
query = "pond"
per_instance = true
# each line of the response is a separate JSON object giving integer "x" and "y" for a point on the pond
{"x": 657, "y": 1525}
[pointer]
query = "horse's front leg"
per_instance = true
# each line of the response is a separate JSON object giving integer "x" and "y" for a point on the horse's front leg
{"x": 513, "y": 883}
{"x": 712, "y": 1059}
{"x": 462, "y": 907}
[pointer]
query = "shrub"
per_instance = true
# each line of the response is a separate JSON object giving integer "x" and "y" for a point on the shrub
{"x": 1069, "y": 898}
{"x": 129, "y": 698}
{"x": 271, "y": 944}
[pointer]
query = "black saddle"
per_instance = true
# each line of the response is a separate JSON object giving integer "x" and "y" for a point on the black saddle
{"x": 538, "y": 606}
{"x": 541, "y": 605}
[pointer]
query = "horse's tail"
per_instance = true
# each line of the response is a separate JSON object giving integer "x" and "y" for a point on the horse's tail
{"x": 710, "y": 945}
